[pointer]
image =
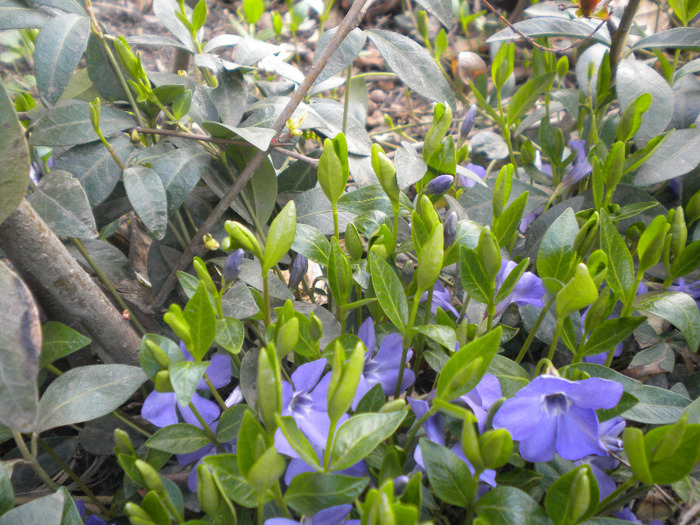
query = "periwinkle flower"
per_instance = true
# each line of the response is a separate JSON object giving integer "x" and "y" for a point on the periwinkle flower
{"x": 466, "y": 182}
{"x": 580, "y": 168}
{"x": 608, "y": 433}
{"x": 441, "y": 298}
{"x": 300, "y": 266}
{"x": 232, "y": 266}
{"x": 692, "y": 289}
{"x": 527, "y": 221}
{"x": 553, "y": 414}
{"x": 485, "y": 394}
{"x": 93, "y": 519}
{"x": 383, "y": 367}
{"x": 450, "y": 230}
{"x": 161, "y": 408}
{"x": 439, "y": 185}
{"x": 529, "y": 289}
{"x": 329, "y": 516}
{"x": 468, "y": 122}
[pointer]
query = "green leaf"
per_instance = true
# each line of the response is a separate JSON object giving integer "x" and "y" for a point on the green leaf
{"x": 632, "y": 78}
{"x": 343, "y": 56}
{"x": 297, "y": 440}
{"x": 188, "y": 282}
{"x": 14, "y": 177}
{"x": 266, "y": 471}
{"x": 146, "y": 360}
{"x": 59, "y": 341}
{"x": 556, "y": 255}
{"x": 360, "y": 435}
{"x": 68, "y": 123}
{"x": 230, "y": 423}
{"x": 47, "y": 511}
{"x": 371, "y": 198}
{"x": 58, "y": 49}
{"x": 184, "y": 377}
{"x": 201, "y": 317}
{"x": 280, "y": 236}
{"x": 441, "y": 334}
{"x": 262, "y": 188}
{"x": 312, "y": 244}
{"x": 20, "y": 345}
{"x": 620, "y": 276}
{"x": 688, "y": 261}
{"x": 677, "y": 308}
{"x": 510, "y": 374}
{"x": 549, "y": 26}
{"x": 63, "y": 205}
{"x": 610, "y": 333}
{"x": 179, "y": 438}
{"x": 452, "y": 382}
{"x": 15, "y": 15}
{"x": 229, "y": 334}
{"x": 180, "y": 171}
{"x": 679, "y": 464}
{"x": 506, "y": 228}
{"x": 678, "y": 154}
{"x": 561, "y": 497}
{"x": 225, "y": 469}
{"x": 310, "y": 492}
{"x": 93, "y": 166}
{"x": 147, "y": 195}
{"x": 526, "y": 96}
{"x": 510, "y": 506}
{"x": 7, "y": 495}
{"x": 474, "y": 278}
{"x": 440, "y": 9}
{"x": 86, "y": 393}
{"x": 677, "y": 38}
{"x": 449, "y": 476}
{"x": 413, "y": 65}
{"x": 390, "y": 292}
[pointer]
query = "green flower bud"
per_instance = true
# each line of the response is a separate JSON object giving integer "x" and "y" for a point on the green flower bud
{"x": 162, "y": 382}
{"x": 353, "y": 242}
{"x": 562, "y": 66}
{"x": 344, "y": 379}
{"x": 580, "y": 495}
{"x": 134, "y": 511}
{"x": 380, "y": 250}
{"x": 678, "y": 231}
{"x": 633, "y": 440}
{"x": 203, "y": 274}
{"x": 127, "y": 57}
{"x": 578, "y": 293}
{"x": 287, "y": 337}
{"x": 226, "y": 244}
{"x": 95, "y": 115}
{"x": 316, "y": 327}
{"x": 430, "y": 260}
{"x": 496, "y": 446}
{"x": 598, "y": 266}
{"x": 587, "y": 235}
{"x": 470, "y": 443}
{"x": 122, "y": 443}
{"x": 427, "y": 213}
{"x": 159, "y": 356}
{"x": 386, "y": 173}
{"x": 393, "y": 406}
{"x": 269, "y": 387}
{"x": 150, "y": 476}
{"x": 207, "y": 491}
{"x": 651, "y": 243}
{"x": 489, "y": 253}
{"x": 243, "y": 237}
{"x": 176, "y": 320}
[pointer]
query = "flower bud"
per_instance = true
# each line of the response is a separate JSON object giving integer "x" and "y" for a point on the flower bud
{"x": 269, "y": 386}
{"x": 651, "y": 243}
{"x": 353, "y": 242}
{"x": 162, "y": 382}
{"x": 287, "y": 337}
{"x": 468, "y": 122}
{"x": 496, "y": 447}
{"x": 135, "y": 512}
{"x": 580, "y": 494}
{"x": 439, "y": 185}
{"x": 316, "y": 327}
{"x": 243, "y": 237}
{"x": 300, "y": 266}
{"x": 427, "y": 213}
{"x": 344, "y": 379}
{"x": 150, "y": 476}
{"x": 678, "y": 231}
{"x": 470, "y": 443}
{"x": 578, "y": 293}
{"x": 122, "y": 443}
{"x": 450, "y": 231}
{"x": 489, "y": 254}
{"x": 430, "y": 259}
{"x": 232, "y": 266}
{"x": 157, "y": 353}
{"x": 209, "y": 242}
{"x": 207, "y": 492}
{"x": 386, "y": 172}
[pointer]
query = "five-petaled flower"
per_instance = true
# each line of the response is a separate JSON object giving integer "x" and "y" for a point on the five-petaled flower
{"x": 555, "y": 414}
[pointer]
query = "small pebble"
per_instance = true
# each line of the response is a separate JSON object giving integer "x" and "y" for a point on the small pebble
{"x": 377, "y": 95}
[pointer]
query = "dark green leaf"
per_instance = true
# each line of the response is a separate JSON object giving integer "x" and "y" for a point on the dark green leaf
{"x": 343, "y": 56}
{"x": 179, "y": 438}
{"x": 147, "y": 195}
{"x": 59, "y": 341}
{"x": 234, "y": 485}
{"x": 16, "y": 15}
{"x": 20, "y": 346}
{"x": 297, "y": 440}
{"x": 560, "y": 499}
{"x": 556, "y": 255}
{"x": 68, "y": 123}
{"x": 165, "y": 12}
{"x": 315, "y": 210}
{"x": 311, "y": 492}
{"x": 7, "y": 496}
{"x": 510, "y": 506}
{"x": 677, "y": 38}
{"x": 58, "y": 49}
{"x": 440, "y": 9}
{"x": 390, "y": 292}
{"x": 678, "y": 309}
{"x": 413, "y": 65}
{"x": 47, "y": 511}
{"x": 550, "y": 26}
{"x": 86, "y": 393}
{"x": 312, "y": 244}
{"x": 238, "y": 302}
{"x": 449, "y": 476}
{"x": 620, "y": 276}
{"x": 360, "y": 435}
{"x": 610, "y": 333}
{"x": 201, "y": 317}
{"x": 474, "y": 278}
{"x": 180, "y": 171}
{"x": 14, "y": 176}
{"x": 441, "y": 334}
{"x": 230, "y": 423}
{"x": 526, "y": 96}
{"x": 184, "y": 377}
{"x": 678, "y": 155}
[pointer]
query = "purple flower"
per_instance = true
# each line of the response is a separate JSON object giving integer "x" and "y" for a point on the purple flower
{"x": 300, "y": 266}
{"x": 93, "y": 519}
{"x": 306, "y": 401}
{"x": 383, "y": 367}
{"x": 466, "y": 182}
{"x": 435, "y": 432}
{"x": 555, "y": 414}
{"x": 161, "y": 408}
{"x": 232, "y": 266}
{"x": 468, "y": 122}
{"x": 450, "y": 230}
{"x": 692, "y": 289}
{"x": 580, "y": 167}
{"x": 544, "y": 168}
{"x": 529, "y": 289}
{"x": 329, "y": 516}
{"x": 608, "y": 433}
{"x": 627, "y": 515}
{"x": 527, "y": 221}
{"x": 439, "y": 185}
{"x": 441, "y": 298}
{"x": 485, "y": 394}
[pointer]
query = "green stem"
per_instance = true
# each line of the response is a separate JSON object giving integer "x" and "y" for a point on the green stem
{"x": 346, "y": 101}
{"x": 280, "y": 500}
{"x": 126, "y": 419}
{"x": 183, "y": 228}
{"x": 32, "y": 461}
{"x": 472, "y": 493}
{"x": 78, "y": 480}
{"x": 108, "y": 284}
{"x": 531, "y": 335}
{"x": 214, "y": 392}
{"x": 407, "y": 337}
{"x": 207, "y": 430}
{"x": 266, "y": 298}
{"x": 260, "y": 517}
{"x": 416, "y": 426}
{"x": 329, "y": 444}
{"x": 111, "y": 150}
{"x": 180, "y": 240}
{"x": 169, "y": 504}
{"x": 555, "y": 339}
{"x": 336, "y": 227}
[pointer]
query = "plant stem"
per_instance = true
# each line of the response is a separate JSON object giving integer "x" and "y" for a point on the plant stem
{"x": 329, "y": 445}
{"x": 214, "y": 392}
{"x": 266, "y": 297}
{"x": 346, "y": 98}
{"x": 619, "y": 38}
{"x": 32, "y": 461}
{"x": 407, "y": 337}
{"x": 555, "y": 339}
{"x": 416, "y": 426}
{"x": 531, "y": 335}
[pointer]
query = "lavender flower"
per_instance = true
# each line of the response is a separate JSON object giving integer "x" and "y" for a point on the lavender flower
{"x": 232, "y": 267}
{"x": 383, "y": 367}
{"x": 439, "y": 185}
{"x": 692, "y": 289}
{"x": 580, "y": 168}
{"x": 441, "y": 298}
{"x": 450, "y": 231}
{"x": 485, "y": 394}
{"x": 529, "y": 289}
{"x": 161, "y": 408}
{"x": 465, "y": 182}
{"x": 468, "y": 122}
{"x": 527, "y": 221}
{"x": 555, "y": 414}
{"x": 300, "y": 266}
{"x": 329, "y": 516}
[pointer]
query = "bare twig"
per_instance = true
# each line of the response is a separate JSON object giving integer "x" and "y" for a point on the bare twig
{"x": 540, "y": 46}
{"x": 280, "y": 147}
{"x": 348, "y": 23}
{"x": 620, "y": 37}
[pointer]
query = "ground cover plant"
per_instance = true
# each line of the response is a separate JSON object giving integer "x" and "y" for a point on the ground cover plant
{"x": 225, "y": 301}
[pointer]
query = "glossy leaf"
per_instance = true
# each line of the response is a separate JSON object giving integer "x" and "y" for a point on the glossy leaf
{"x": 86, "y": 393}
{"x": 20, "y": 346}
{"x": 179, "y": 438}
{"x": 360, "y": 435}
{"x": 184, "y": 377}
{"x": 147, "y": 195}
{"x": 390, "y": 292}
{"x": 58, "y": 49}
{"x": 14, "y": 177}
{"x": 678, "y": 309}
{"x": 413, "y": 65}
{"x": 562, "y": 497}
{"x": 201, "y": 317}
{"x": 311, "y": 492}
{"x": 280, "y": 236}
{"x": 510, "y": 506}
{"x": 556, "y": 255}
{"x": 59, "y": 341}
{"x": 441, "y": 334}
{"x": 298, "y": 441}
{"x": 312, "y": 244}
{"x": 678, "y": 155}
{"x": 229, "y": 334}
{"x": 180, "y": 171}
{"x": 449, "y": 476}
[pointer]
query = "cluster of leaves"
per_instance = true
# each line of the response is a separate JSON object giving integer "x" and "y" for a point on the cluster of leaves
{"x": 365, "y": 393}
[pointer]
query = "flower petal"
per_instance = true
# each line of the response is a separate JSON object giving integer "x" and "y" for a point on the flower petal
{"x": 539, "y": 446}
{"x": 307, "y": 375}
{"x": 596, "y": 393}
{"x": 207, "y": 409}
{"x": 521, "y": 417}
{"x": 218, "y": 371}
{"x": 159, "y": 409}
{"x": 366, "y": 334}
{"x": 577, "y": 434}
